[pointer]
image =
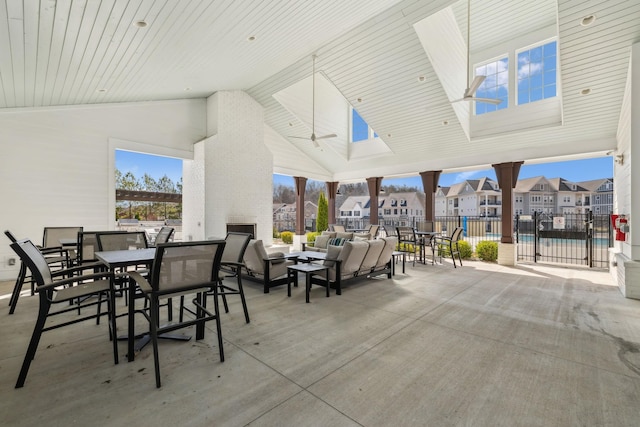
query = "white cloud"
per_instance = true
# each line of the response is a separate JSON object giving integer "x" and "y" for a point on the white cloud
{"x": 462, "y": 176}
{"x": 526, "y": 68}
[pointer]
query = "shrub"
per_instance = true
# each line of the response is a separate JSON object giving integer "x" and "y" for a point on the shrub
{"x": 322, "y": 219}
{"x": 465, "y": 249}
{"x": 287, "y": 237}
{"x": 311, "y": 236}
{"x": 487, "y": 250}
{"x": 406, "y": 247}
{"x": 276, "y": 234}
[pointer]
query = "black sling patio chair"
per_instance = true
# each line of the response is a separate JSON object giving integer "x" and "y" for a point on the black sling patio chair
{"x": 72, "y": 288}
{"x": 164, "y": 235}
{"x": 178, "y": 269}
{"x": 231, "y": 267}
{"x": 53, "y": 256}
{"x": 449, "y": 245}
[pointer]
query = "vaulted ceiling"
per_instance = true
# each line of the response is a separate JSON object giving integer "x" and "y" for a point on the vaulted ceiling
{"x": 375, "y": 55}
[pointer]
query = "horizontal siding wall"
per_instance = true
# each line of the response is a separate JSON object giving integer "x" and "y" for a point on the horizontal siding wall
{"x": 55, "y": 163}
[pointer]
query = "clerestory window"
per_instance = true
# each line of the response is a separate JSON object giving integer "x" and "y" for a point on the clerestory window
{"x": 495, "y": 85}
{"x": 360, "y": 130}
{"x": 537, "y": 73}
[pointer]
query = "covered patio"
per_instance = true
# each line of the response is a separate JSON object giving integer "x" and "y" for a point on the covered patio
{"x": 483, "y": 345}
{"x": 228, "y": 88}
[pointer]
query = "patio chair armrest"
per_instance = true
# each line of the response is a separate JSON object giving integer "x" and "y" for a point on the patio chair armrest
{"x": 75, "y": 269}
{"x": 138, "y": 278}
{"x": 76, "y": 279}
{"x": 232, "y": 264}
{"x": 53, "y": 250}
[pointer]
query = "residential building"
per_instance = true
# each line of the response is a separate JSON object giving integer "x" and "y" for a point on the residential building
{"x": 284, "y": 215}
{"x": 561, "y": 196}
{"x": 599, "y": 194}
{"x": 472, "y": 197}
{"x": 395, "y": 207}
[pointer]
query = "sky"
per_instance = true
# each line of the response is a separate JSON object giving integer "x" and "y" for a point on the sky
{"x": 155, "y": 166}
{"x": 574, "y": 170}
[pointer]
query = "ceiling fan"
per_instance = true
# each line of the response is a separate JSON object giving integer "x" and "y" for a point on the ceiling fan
{"x": 470, "y": 91}
{"x": 313, "y": 138}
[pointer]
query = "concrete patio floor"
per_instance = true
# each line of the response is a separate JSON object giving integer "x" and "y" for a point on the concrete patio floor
{"x": 481, "y": 345}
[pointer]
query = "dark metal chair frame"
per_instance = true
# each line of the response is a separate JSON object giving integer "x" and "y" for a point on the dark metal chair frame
{"x": 231, "y": 266}
{"x": 164, "y": 235}
{"x": 158, "y": 286}
{"x": 51, "y": 254}
{"x": 451, "y": 243}
{"x": 51, "y": 291}
{"x": 407, "y": 236}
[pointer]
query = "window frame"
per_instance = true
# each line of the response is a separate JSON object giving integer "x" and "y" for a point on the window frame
{"x": 530, "y": 47}
{"x": 503, "y": 105}
{"x": 371, "y": 134}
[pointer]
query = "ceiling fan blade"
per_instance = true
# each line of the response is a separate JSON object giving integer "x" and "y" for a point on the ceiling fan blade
{"x": 298, "y": 137}
{"x": 332, "y": 135}
{"x": 475, "y": 84}
{"x": 315, "y": 143}
{"x": 487, "y": 100}
{"x": 471, "y": 98}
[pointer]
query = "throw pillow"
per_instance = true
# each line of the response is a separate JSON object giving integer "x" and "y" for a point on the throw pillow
{"x": 333, "y": 252}
{"x": 337, "y": 241}
{"x": 321, "y": 241}
{"x": 347, "y": 236}
{"x": 363, "y": 236}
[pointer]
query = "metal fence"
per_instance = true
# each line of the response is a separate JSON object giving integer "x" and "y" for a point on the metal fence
{"x": 578, "y": 239}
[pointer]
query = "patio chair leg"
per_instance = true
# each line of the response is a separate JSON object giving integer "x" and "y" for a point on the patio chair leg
{"x": 224, "y": 297}
{"x": 153, "y": 326}
{"x": 244, "y": 301}
{"x": 216, "y": 312}
{"x": 200, "y": 302}
{"x": 111, "y": 306}
{"x": 35, "y": 339}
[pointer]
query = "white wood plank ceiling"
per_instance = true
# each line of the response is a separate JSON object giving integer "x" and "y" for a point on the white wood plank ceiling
{"x": 69, "y": 52}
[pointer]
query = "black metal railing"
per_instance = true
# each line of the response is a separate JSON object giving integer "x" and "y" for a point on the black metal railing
{"x": 579, "y": 239}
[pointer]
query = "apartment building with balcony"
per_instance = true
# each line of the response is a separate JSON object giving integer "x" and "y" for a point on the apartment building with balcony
{"x": 393, "y": 206}
{"x": 284, "y": 215}
{"x": 561, "y": 196}
{"x": 472, "y": 197}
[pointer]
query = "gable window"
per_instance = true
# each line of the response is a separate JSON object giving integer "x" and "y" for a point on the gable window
{"x": 495, "y": 85}
{"x": 360, "y": 130}
{"x": 537, "y": 73}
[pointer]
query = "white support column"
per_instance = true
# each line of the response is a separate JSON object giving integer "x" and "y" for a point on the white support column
{"x": 625, "y": 256}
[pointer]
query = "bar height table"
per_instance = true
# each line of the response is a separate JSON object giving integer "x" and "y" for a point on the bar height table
{"x": 122, "y": 259}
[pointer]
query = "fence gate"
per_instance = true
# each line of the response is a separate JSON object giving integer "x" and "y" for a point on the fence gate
{"x": 579, "y": 239}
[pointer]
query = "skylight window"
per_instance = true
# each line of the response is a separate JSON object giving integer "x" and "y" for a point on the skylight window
{"x": 537, "y": 73}
{"x": 495, "y": 86}
{"x": 360, "y": 130}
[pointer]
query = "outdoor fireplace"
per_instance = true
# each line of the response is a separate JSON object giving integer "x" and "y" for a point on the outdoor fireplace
{"x": 242, "y": 228}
